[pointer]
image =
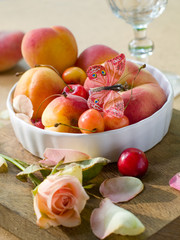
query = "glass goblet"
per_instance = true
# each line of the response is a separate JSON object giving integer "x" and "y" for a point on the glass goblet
{"x": 138, "y": 13}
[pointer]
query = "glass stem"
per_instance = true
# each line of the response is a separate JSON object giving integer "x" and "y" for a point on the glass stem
{"x": 140, "y": 34}
{"x": 141, "y": 47}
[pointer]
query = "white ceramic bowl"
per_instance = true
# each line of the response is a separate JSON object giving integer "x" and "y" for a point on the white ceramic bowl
{"x": 143, "y": 135}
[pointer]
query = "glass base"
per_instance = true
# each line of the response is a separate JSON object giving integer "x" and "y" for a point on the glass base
{"x": 141, "y": 48}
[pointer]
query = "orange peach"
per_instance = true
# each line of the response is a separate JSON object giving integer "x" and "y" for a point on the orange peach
{"x": 10, "y": 49}
{"x": 64, "y": 111}
{"x": 95, "y": 54}
{"x": 38, "y": 84}
{"x": 55, "y": 46}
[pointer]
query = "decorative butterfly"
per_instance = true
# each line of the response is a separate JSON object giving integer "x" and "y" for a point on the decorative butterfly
{"x": 103, "y": 88}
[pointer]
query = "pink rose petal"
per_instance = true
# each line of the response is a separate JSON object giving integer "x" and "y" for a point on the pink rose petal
{"x": 22, "y": 104}
{"x": 53, "y": 156}
{"x": 175, "y": 181}
{"x": 121, "y": 189}
{"x": 109, "y": 218}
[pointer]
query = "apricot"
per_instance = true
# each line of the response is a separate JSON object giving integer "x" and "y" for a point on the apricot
{"x": 55, "y": 46}
{"x": 64, "y": 111}
{"x": 74, "y": 75}
{"x": 10, "y": 49}
{"x": 38, "y": 84}
{"x": 95, "y": 54}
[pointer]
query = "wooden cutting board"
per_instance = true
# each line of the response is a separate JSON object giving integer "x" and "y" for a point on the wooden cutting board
{"x": 158, "y": 206}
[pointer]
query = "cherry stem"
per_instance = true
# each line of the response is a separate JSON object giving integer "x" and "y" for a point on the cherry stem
{"x": 67, "y": 125}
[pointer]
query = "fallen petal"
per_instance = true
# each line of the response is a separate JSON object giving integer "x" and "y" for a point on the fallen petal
{"x": 121, "y": 189}
{"x": 22, "y": 104}
{"x": 109, "y": 218}
{"x": 53, "y": 156}
{"x": 175, "y": 181}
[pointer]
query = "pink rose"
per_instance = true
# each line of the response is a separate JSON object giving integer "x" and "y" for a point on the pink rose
{"x": 59, "y": 200}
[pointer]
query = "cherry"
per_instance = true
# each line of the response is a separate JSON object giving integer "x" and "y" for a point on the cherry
{"x": 112, "y": 122}
{"x": 132, "y": 162}
{"x": 91, "y": 121}
{"x": 76, "y": 89}
{"x": 38, "y": 123}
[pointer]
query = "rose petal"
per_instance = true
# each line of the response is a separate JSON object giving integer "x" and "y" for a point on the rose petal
{"x": 175, "y": 181}
{"x": 22, "y": 104}
{"x": 24, "y": 117}
{"x": 109, "y": 218}
{"x": 53, "y": 156}
{"x": 121, "y": 189}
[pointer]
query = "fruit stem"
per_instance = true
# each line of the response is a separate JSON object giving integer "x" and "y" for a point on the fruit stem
{"x": 67, "y": 125}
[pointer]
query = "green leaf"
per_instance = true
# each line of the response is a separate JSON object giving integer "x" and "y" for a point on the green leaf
{"x": 27, "y": 172}
{"x": 92, "y": 167}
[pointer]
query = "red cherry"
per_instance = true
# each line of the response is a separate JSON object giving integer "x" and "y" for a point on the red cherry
{"x": 76, "y": 89}
{"x": 132, "y": 162}
{"x": 38, "y": 123}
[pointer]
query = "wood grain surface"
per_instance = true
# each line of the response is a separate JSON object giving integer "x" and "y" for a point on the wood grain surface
{"x": 158, "y": 206}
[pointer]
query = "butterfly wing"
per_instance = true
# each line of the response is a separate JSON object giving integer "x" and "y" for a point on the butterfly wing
{"x": 114, "y": 69}
{"x": 99, "y": 76}
{"x": 107, "y": 75}
{"x": 107, "y": 101}
{"x": 96, "y": 77}
{"x": 96, "y": 100}
{"x": 114, "y": 104}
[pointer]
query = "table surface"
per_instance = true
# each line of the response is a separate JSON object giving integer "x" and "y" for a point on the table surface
{"x": 91, "y": 22}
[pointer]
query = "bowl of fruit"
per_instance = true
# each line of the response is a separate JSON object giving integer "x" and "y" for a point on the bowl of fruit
{"x": 112, "y": 106}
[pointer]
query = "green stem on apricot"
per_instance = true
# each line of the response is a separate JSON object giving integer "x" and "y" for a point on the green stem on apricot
{"x": 49, "y": 66}
{"x": 67, "y": 125}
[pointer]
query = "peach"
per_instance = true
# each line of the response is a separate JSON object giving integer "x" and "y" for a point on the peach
{"x": 95, "y": 54}
{"x": 146, "y": 96}
{"x": 10, "y": 49}
{"x": 38, "y": 84}
{"x": 55, "y": 46}
{"x": 65, "y": 112}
